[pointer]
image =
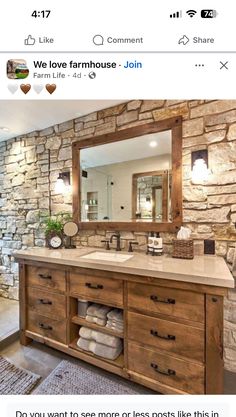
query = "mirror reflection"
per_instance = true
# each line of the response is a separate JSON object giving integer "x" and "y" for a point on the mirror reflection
{"x": 127, "y": 180}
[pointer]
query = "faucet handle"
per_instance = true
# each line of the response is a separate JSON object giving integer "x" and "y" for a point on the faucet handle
{"x": 107, "y": 243}
{"x": 132, "y": 242}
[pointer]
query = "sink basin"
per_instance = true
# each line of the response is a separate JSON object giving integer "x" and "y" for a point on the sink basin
{"x": 107, "y": 256}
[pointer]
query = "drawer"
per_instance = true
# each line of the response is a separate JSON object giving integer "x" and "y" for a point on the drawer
{"x": 47, "y": 327}
{"x": 167, "y": 335}
{"x": 174, "y": 372}
{"x": 109, "y": 291}
{"x": 46, "y": 303}
{"x": 171, "y": 302}
{"x": 53, "y": 279}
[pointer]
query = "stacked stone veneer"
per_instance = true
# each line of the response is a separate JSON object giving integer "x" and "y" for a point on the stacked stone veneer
{"x": 209, "y": 209}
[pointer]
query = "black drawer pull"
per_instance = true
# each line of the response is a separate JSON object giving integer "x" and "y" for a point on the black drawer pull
{"x": 42, "y": 301}
{"x": 44, "y": 276}
{"x": 167, "y": 337}
{"x": 94, "y": 286}
{"x": 169, "y": 372}
{"x": 162, "y": 300}
{"x": 45, "y": 326}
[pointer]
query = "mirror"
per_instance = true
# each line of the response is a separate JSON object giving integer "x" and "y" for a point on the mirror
{"x": 131, "y": 178}
{"x": 152, "y": 195}
{"x": 110, "y": 185}
{"x": 70, "y": 229}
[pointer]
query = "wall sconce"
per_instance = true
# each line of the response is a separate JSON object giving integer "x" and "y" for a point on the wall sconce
{"x": 62, "y": 183}
{"x": 148, "y": 204}
{"x": 200, "y": 171}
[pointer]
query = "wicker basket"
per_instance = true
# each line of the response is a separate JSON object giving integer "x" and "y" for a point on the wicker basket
{"x": 183, "y": 248}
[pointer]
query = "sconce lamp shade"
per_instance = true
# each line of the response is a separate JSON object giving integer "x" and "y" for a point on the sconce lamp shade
{"x": 62, "y": 183}
{"x": 200, "y": 171}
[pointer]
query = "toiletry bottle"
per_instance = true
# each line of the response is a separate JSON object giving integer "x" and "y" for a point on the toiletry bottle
{"x": 157, "y": 244}
{"x": 150, "y": 245}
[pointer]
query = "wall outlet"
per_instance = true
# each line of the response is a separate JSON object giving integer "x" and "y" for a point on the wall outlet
{"x": 209, "y": 247}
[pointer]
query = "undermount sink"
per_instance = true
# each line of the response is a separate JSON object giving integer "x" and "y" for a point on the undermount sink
{"x": 107, "y": 256}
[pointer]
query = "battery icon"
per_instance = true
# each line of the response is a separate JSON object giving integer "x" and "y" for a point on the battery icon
{"x": 208, "y": 13}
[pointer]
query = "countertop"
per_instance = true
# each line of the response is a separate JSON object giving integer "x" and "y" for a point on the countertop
{"x": 207, "y": 269}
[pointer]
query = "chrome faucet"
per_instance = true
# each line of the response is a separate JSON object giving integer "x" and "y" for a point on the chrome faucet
{"x": 117, "y": 236}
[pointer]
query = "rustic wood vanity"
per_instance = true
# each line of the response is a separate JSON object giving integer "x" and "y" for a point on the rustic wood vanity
{"x": 173, "y": 313}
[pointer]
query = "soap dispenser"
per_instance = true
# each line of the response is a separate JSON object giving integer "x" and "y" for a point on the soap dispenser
{"x": 150, "y": 244}
{"x": 157, "y": 244}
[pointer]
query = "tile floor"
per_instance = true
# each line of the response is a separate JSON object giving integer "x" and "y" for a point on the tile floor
{"x": 42, "y": 360}
{"x": 9, "y": 317}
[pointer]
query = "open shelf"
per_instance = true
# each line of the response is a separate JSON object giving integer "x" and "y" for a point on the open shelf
{"x": 117, "y": 362}
{"x": 82, "y": 322}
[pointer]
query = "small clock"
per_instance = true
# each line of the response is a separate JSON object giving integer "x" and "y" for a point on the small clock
{"x": 54, "y": 241}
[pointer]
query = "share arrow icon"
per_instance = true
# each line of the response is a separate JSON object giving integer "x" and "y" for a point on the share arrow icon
{"x": 184, "y": 40}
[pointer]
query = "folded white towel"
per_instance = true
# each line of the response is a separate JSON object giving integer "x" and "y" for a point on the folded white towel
{"x": 98, "y": 349}
{"x": 116, "y": 329}
{"x": 93, "y": 319}
{"x": 116, "y": 323}
{"x": 115, "y": 314}
{"x": 99, "y": 337}
{"x": 98, "y": 310}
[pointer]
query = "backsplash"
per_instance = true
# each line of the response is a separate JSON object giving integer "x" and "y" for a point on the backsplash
{"x": 209, "y": 210}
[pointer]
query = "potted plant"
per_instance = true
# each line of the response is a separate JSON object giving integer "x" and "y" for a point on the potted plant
{"x": 53, "y": 228}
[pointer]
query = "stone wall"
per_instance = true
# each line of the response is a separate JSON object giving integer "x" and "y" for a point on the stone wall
{"x": 209, "y": 209}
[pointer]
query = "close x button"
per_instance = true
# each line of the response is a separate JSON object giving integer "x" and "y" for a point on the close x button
{"x": 224, "y": 65}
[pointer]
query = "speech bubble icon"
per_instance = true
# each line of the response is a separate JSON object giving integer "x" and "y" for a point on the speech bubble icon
{"x": 98, "y": 40}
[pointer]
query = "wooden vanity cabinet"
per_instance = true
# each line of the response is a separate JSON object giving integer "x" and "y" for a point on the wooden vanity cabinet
{"x": 173, "y": 331}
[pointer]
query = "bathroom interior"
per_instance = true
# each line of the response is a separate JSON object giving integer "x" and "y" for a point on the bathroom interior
{"x": 117, "y": 239}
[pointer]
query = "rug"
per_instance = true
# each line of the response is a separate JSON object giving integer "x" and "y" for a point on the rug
{"x": 71, "y": 378}
{"x": 15, "y": 380}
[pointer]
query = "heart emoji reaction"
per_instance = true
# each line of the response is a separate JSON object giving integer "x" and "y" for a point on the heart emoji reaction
{"x": 51, "y": 88}
{"x": 12, "y": 88}
{"x": 38, "y": 88}
{"x": 25, "y": 88}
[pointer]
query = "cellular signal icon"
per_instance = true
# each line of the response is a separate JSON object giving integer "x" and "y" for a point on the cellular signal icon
{"x": 176, "y": 15}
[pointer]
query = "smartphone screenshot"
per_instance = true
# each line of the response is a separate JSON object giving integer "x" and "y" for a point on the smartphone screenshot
{"x": 117, "y": 209}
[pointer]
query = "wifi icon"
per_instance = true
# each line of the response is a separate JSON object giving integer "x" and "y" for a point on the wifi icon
{"x": 191, "y": 13}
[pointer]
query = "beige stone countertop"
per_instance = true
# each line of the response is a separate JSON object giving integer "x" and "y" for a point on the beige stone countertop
{"x": 207, "y": 269}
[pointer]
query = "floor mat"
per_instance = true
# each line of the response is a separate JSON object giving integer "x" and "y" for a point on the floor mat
{"x": 70, "y": 378}
{"x": 15, "y": 380}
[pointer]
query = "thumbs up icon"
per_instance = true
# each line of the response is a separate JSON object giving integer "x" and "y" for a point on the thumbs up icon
{"x": 30, "y": 40}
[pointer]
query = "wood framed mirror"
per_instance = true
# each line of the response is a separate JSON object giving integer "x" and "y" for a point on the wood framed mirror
{"x": 113, "y": 173}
